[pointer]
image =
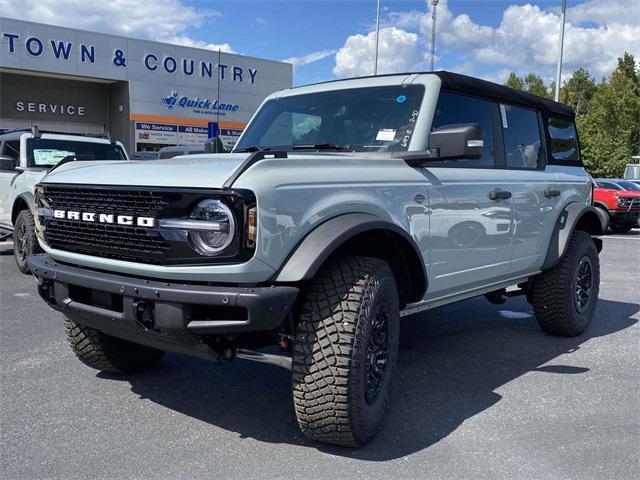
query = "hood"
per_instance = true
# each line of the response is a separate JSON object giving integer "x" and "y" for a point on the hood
{"x": 193, "y": 171}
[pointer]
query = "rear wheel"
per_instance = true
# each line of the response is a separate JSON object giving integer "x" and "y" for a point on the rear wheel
{"x": 109, "y": 354}
{"x": 25, "y": 242}
{"x": 564, "y": 298}
{"x": 345, "y": 351}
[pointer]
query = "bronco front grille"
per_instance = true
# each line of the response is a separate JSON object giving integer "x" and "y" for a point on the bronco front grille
{"x": 137, "y": 242}
{"x": 105, "y": 240}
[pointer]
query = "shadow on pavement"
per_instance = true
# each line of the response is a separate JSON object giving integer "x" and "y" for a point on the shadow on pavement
{"x": 452, "y": 360}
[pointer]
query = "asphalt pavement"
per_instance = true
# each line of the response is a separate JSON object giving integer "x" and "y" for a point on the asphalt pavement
{"x": 481, "y": 392}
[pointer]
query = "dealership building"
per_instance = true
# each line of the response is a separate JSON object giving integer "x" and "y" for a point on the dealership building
{"x": 145, "y": 94}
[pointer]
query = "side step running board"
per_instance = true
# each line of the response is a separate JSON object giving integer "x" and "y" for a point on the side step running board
{"x": 277, "y": 360}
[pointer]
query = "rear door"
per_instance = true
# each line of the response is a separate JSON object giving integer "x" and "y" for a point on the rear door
{"x": 537, "y": 197}
{"x": 470, "y": 229}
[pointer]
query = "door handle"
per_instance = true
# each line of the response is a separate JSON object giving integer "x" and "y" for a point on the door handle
{"x": 499, "y": 195}
{"x": 549, "y": 193}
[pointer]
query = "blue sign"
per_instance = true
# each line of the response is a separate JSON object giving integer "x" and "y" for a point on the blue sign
{"x": 198, "y": 105}
{"x": 212, "y": 130}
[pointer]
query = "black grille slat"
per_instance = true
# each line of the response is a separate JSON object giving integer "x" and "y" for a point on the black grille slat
{"x": 106, "y": 240}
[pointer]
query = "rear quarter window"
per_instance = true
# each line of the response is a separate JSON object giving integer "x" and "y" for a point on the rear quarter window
{"x": 564, "y": 142}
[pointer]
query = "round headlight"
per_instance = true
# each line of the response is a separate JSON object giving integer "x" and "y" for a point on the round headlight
{"x": 620, "y": 202}
{"x": 213, "y": 227}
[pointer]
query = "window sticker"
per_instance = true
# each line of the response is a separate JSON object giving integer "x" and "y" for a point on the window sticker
{"x": 503, "y": 116}
{"x": 401, "y": 98}
{"x": 386, "y": 134}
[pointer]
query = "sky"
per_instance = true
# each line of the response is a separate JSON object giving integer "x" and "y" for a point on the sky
{"x": 334, "y": 39}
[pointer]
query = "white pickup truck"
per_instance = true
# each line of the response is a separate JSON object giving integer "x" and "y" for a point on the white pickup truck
{"x": 25, "y": 158}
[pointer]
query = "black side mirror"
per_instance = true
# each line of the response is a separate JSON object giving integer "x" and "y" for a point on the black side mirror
{"x": 453, "y": 142}
{"x": 7, "y": 163}
{"x": 214, "y": 145}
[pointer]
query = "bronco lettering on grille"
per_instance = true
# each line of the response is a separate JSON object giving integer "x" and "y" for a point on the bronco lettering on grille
{"x": 148, "y": 222}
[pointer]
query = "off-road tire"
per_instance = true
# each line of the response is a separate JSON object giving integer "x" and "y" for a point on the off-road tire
{"x": 25, "y": 241}
{"x": 109, "y": 354}
{"x": 554, "y": 292}
{"x": 621, "y": 228}
{"x": 330, "y": 356}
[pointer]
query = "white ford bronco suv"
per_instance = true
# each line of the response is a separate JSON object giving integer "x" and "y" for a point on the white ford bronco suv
{"x": 25, "y": 157}
{"x": 344, "y": 206}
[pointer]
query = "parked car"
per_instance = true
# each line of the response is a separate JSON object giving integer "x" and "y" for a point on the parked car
{"x": 632, "y": 170}
{"x": 170, "y": 152}
{"x": 25, "y": 158}
{"x": 144, "y": 155}
{"x": 620, "y": 200}
{"x": 344, "y": 206}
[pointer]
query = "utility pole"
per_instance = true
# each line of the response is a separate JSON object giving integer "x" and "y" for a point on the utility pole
{"x": 559, "y": 69}
{"x": 434, "y": 4}
{"x": 375, "y": 55}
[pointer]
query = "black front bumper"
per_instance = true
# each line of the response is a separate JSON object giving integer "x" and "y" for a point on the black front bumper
{"x": 165, "y": 315}
{"x": 624, "y": 216}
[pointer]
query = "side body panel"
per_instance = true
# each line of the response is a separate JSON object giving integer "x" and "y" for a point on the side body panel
{"x": 470, "y": 241}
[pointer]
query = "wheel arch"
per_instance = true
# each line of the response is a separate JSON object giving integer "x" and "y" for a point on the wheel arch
{"x": 574, "y": 216}
{"x": 364, "y": 235}
{"x": 22, "y": 202}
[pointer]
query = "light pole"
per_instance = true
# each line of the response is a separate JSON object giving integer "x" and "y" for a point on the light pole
{"x": 375, "y": 55}
{"x": 434, "y": 4}
{"x": 559, "y": 69}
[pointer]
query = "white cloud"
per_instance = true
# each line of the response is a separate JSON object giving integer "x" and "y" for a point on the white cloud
{"x": 163, "y": 20}
{"x": 596, "y": 33}
{"x": 260, "y": 21}
{"x": 399, "y": 51}
{"x": 309, "y": 58}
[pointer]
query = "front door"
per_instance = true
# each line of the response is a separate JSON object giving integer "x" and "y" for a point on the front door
{"x": 470, "y": 205}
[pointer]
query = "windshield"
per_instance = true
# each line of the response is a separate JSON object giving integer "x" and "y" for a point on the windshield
{"x": 359, "y": 119}
{"x": 629, "y": 186}
{"x": 44, "y": 152}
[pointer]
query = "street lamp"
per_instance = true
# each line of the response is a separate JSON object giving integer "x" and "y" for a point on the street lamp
{"x": 434, "y": 4}
{"x": 375, "y": 56}
{"x": 559, "y": 69}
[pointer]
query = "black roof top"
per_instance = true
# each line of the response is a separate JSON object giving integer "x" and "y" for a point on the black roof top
{"x": 476, "y": 86}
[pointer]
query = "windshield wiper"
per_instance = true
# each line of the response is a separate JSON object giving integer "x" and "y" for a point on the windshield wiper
{"x": 319, "y": 146}
{"x": 252, "y": 149}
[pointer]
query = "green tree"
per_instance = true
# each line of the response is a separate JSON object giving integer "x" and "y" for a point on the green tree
{"x": 578, "y": 91}
{"x": 535, "y": 84}
{"x": 514, "y": 82}
{"x": 610, "y": 130}
{"x": 530, "y": 83}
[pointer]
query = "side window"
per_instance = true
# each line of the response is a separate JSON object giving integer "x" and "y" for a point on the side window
{"x": 455, "y": 109}
{"x": 521, "y": 132}
{"x": 12, "y": 149}
{"x": 564, "y": 140}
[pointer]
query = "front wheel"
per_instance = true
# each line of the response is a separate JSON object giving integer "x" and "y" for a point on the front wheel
{"x": 345, "y": 351}
{"x": 564, "y": 298}
{"x": 109, "y": 354}
{"x": 621, "y": 228}
{"x": 25, "y": 242}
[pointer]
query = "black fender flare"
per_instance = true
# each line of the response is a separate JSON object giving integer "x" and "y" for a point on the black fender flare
{"x": 324, "y": 240}
{"x": 574, "y": 215}
{"x": 25, "y": 197}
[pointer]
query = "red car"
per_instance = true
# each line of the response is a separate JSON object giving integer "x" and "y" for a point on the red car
{"x": 621, "y": 200}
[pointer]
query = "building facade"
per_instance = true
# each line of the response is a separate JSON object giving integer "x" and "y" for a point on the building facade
{"x": 145, "y": 94}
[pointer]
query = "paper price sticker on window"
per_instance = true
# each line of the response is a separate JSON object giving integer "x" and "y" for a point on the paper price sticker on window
{"x": 386, "y": 135}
